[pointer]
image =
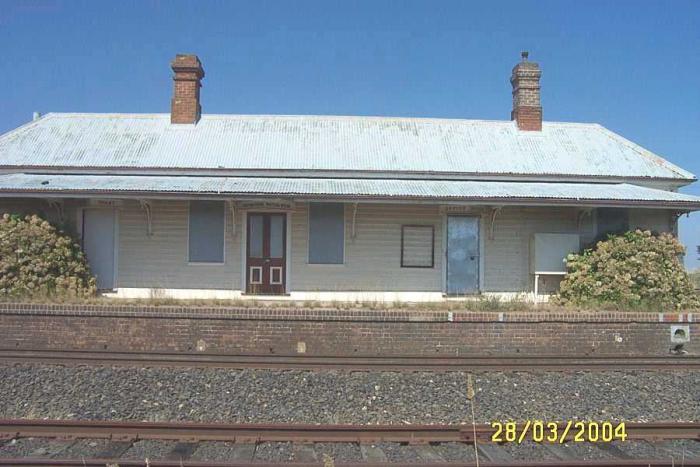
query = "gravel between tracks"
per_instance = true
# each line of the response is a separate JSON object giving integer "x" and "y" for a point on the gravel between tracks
{"x": 274, "y": 452}
{"x": 208, "y": 394}
{"x": 149, "y": 449}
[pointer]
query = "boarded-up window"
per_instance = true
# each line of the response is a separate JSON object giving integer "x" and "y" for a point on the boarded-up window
{"x": 417, "y": 246}
{"x": 326, "y": 233}
{"x": 206, "y": 240}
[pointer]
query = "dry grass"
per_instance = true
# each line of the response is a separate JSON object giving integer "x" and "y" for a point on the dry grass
{"x": 476, "y": 304}
{"x": 483, "y": 303}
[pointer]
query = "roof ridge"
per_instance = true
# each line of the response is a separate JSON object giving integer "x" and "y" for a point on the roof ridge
{"x": 311, "y": 116}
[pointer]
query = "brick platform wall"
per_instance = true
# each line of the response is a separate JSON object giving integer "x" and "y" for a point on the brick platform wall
{"x": 264, "y": 331}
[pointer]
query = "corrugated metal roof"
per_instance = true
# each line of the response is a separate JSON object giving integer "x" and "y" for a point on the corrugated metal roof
{"x": 507, "y": 192}
{"x": 302, "y": 143}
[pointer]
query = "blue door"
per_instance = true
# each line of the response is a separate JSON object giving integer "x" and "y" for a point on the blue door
{"x": 462, "y": 255}
{"x": 98, "y": 244}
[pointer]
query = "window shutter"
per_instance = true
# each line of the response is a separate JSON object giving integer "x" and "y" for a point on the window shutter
{"x": 417, "y": 246}
{"x": 326, "y": 233}
{"x": 206, "y": 239}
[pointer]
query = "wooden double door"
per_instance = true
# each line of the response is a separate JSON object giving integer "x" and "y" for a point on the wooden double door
{"x": 266, "y": 257}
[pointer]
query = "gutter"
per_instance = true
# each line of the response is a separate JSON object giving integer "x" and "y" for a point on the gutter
{"x": 349, "y": 174}
{"x": 687, "y": 206}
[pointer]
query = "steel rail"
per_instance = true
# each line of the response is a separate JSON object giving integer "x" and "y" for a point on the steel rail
{"x": 390, "y": 363}
{"x": 299, "y": 433}
{"x": 43, "y": 462}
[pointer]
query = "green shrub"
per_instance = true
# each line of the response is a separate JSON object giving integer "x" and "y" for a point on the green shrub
{"x": 633, "y": 270}
{"x": 37, "y": 260}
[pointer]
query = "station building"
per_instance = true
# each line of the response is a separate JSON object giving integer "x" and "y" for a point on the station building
{"x": 331, "y": 208}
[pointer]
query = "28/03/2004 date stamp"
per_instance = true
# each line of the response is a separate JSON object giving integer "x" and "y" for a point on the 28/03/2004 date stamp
{"x": 553, "y": 432}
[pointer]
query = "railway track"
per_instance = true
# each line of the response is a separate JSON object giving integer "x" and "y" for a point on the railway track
{"x": 186, "y": 437}
{"x": 300, "y": 433}
{"x": 588, "y": 363}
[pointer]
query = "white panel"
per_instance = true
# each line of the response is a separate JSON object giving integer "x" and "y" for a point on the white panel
{"x": 548, "y": 251}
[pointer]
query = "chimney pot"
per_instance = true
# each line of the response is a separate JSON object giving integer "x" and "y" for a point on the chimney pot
{"x": 527, "y": 108}
{"x": 188, "y": 73}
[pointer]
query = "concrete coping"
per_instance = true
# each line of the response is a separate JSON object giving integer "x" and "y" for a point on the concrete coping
{"x": 341, "y": 314}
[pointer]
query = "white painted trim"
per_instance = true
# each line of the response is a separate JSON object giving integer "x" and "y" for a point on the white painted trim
{"x": 182, "y": 294}
{"x": 272, "y": 275}
{"x": 253, "y": 268}
{"x": 308, "y": 234}
{"x": 322, "y": 296}
{"x": 187, "y": 250}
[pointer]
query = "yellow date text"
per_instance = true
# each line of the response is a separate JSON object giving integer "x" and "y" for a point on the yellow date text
{"x": 541, "y": 431}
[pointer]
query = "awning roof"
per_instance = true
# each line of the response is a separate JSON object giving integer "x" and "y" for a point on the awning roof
{"x": 482, "y": 192}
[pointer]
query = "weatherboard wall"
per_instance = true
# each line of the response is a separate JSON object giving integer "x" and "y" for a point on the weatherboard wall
{"x": 372, "y": 255}
{"x": 161, "y": 260}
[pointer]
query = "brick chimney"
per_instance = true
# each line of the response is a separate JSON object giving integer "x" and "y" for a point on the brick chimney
{"x": 185, "y": 107}
{"x": 527, "y": 109}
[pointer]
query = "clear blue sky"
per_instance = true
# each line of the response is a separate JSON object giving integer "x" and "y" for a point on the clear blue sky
{"x": 632, "y": 66}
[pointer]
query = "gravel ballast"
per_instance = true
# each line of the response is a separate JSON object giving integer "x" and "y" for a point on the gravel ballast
{"x": 398, "y": 454}
{"x": 297, "y": 396}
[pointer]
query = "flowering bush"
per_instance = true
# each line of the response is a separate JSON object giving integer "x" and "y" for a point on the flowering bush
{"x": 629, "y": 269}
{"x": 38, "y": 260}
